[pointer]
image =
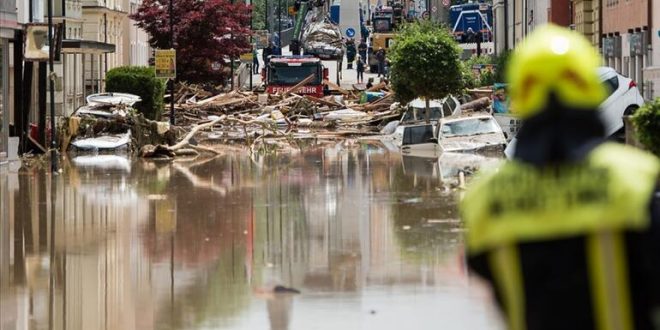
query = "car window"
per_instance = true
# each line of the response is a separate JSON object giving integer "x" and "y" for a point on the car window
{"x": 469, "y": 127}
{"x": 611, "y": 85}
{"x": 420, "y": 114}
{"x": 417, "y": 134}
{"x": 448, "y": 106}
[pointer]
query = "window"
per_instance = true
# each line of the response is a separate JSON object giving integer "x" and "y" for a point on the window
{"x": 417, "y": 134}
{"x": 448, "y": 106}
{"x": 469, "y": 127}
{"x": 611, "y": 85}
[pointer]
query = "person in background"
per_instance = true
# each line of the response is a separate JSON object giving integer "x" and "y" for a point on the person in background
{"x": 362, "y": 50}
{"x": 360, "y": 70}
{"x": 350, "y": 53}
{"x": 386, "y": 69}
{"x": 380, "y": 56}
{"x": 266, "y": 52}
{"x": 568, "y": 231}
{"x": 255, "y": 60}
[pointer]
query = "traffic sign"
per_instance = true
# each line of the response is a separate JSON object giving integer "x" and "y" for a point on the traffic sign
{"x": 425, "y": 15}
{"x": 434, "y": 9}
{"x": 246, "y": 58}
{"x": 165, "y": 63}
{"x": 446, "y": 3}
{"x": 350, "y": 32}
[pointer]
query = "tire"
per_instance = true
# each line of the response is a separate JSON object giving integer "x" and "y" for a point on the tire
{"x": 620, "y": 135}
{"x": 630, "y": 110}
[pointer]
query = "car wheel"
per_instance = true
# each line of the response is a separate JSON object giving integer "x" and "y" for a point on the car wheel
{"x": 620, "y": 135}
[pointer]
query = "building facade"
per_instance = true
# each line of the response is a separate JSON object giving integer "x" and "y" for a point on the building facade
{"x": 652, "y": 70}
{"x": 586, "y": 19}
{"x": 514, "y": 19}
{"x": 97, "y": 36}
{"x": 103, "y": 22}
{"x": 8, "y": 24}
{"x": 136, "y": 46}
{"x": 625, "y": 38}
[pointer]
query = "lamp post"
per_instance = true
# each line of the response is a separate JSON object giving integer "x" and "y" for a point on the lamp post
{"x": 51, "y": 65}
{"x": 251, "y": 41}
{"x": 172, "y": 81}
{"x": 231, "y": 60}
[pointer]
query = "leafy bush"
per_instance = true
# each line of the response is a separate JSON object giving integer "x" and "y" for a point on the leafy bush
{"x": 501, "y": 63}
{"x": 647, "y": 125}
{"x": 141, "y": 81}
{"x": 486, "y": 78}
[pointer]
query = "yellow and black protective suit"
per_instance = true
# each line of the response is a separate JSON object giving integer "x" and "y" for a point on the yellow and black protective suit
{"x": 568, "y": 232}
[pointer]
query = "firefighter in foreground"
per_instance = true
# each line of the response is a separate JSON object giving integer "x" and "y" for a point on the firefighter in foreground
{"x": 567, "y": 232}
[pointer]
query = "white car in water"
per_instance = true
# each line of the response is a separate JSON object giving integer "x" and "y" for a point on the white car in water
{"x": 622, "y": 100}
{"x": 474, "y": 132}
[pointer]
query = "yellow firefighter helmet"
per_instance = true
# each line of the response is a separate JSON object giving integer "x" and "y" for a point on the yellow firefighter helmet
{"x": 555, "y": 60}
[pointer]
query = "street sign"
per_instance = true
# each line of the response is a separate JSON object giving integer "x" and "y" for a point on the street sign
{"x": 350, "y": 32}
{"x": 165, "y": 63}
{"x": 446, "y": 3}
{"x": 425, "y": 15}
{"x": 246, "y": 58}
{"x": 434, "y": 9}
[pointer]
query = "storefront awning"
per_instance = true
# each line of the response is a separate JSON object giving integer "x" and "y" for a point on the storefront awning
{"x": 76, "y": 46}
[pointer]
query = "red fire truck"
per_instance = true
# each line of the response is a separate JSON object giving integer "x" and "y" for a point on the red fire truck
{"x": 283, "y": 72}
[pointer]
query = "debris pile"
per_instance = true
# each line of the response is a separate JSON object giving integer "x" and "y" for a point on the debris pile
{"x": 323, "y": 39}
{"x": 343, "y": 109}
{"x": 204, "y": 118}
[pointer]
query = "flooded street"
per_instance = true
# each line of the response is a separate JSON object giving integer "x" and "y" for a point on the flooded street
{"x": 369, "y": 237}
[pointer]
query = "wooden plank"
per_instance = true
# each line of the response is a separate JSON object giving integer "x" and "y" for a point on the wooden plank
{"x": 299, "y": 85}
{"x": 376, "y": 87}
{"x": 322, "y": 101}
{"x": 336, "y": 87}
{"x": 211, "y": 99}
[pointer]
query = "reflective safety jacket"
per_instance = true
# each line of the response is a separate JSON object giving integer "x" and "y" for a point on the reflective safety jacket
{"x": 570, "y": 246}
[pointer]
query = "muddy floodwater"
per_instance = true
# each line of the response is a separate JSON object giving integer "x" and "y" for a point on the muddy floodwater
{"x": 370, "y": 238}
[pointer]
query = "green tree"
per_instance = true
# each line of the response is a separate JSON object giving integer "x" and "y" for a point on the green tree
{"x": 259, "y": 15}
{"x": 141, "y": 81}
{"x": 425, "y": 63}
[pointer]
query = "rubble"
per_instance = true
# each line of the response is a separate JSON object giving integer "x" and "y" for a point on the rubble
{"x": 323, "y": 39}
{"x": 205, "y": 118}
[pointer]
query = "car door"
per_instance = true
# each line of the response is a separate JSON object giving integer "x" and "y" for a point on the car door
{"x": 611, "y": 110}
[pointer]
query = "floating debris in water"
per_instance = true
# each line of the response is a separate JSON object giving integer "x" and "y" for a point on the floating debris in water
{"x": 443, "y": 220}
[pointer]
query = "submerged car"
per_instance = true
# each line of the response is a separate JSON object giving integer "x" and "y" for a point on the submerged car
{"x": 417, "y": 137}
{"x": 445, "y": 107}
{"x": 477, "y": 132}
{"x": 412, "y": 132}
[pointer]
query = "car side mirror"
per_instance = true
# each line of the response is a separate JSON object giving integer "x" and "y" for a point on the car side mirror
{"x": 433, "y": 140}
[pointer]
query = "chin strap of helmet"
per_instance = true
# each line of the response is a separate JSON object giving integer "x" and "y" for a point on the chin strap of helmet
{"x": 558, "y": 134}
